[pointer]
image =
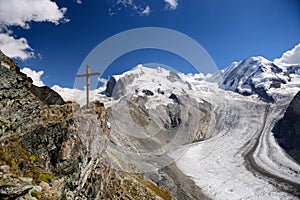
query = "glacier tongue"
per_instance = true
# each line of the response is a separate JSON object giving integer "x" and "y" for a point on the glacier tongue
{"x": 224, "y": 167}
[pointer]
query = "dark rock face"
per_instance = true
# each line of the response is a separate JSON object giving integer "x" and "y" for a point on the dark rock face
{"x": 275, "y": 84}
{"x": 117, "y": 89}
{"x": 294, "y": 69}
{"x": 175, "y": 98}
{"x": 175, "y": 117}
{"x": 148, "y": 92}
{"x": 40, "y": 140}
{"x": 275, "y": 69}
{"x": 287, "y": 130}
{"x": 110, "y": 86}
{"x": 47, "y": 95}
{"x": 159, "y": 91}
{"x": 263, "y": 95}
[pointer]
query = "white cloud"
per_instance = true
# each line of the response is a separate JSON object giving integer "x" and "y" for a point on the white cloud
{"x": 79, "y": 96}
{"x": 15, "y": 48}
{"x": 79, "y": 1}
{"x": 125, "y": 2}
{"x": 141, "y": 7}
{"x": 146, "y": 11}
{"x": 290, "y": 57}
{"x": 34, "y": 75}
{"x": 172, "y": 4}
{"x": 21, "y": 12}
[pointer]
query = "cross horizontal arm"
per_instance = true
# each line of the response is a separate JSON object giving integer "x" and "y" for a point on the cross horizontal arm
{"x": 94, "y": 74}
{"x": 90, "y": 74}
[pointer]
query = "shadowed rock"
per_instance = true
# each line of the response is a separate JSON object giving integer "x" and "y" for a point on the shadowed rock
{"x": 110, "y": 86}
{"x": 47, "y": 95}
{"x": 287, "y": 130}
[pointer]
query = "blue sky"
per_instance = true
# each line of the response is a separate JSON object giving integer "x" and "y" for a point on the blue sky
{"x": 229, "y": 30}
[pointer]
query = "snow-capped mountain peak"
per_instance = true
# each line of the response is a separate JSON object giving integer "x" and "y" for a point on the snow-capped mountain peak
{"x": 143, "y": 80}
{"x": 255, "y": 75}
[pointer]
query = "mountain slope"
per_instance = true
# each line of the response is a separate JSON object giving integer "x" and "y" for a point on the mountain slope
{"x": 152, "y": 112}
{"x": 257, "y": 76}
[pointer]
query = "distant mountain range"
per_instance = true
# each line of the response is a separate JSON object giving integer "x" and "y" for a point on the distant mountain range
{"x": 256, "y": 77}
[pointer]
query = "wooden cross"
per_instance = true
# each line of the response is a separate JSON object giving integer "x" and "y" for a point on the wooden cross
{"x": 87, "y": 75}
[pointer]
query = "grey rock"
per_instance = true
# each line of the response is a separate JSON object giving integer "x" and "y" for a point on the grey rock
{"x": 14, "y": 191}
{"x": 173, "y": 77}
{"x": 117, "y": 89}
{"x": 287, "y": 130}
{"x": 110, "y": 86}
{"x": 148, "y": 92}
{"x": 47, "y": 95}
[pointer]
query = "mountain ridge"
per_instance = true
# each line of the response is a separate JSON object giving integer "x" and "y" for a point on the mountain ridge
{"x": 257, "y": 76}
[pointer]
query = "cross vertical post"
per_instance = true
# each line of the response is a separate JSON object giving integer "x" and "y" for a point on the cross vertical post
{"x": 88, "y": 75}
{"x": 87, "y": 86}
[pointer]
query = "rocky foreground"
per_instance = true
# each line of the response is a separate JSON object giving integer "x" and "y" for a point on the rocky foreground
{"x": 51, "y": 149}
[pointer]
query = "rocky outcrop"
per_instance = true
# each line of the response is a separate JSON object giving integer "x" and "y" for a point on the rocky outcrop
{"x": 148, "y": 92}
{"x": 175, "y": 98}
{"x": 287, "y": 130}
{"x": 173, "y": 77}
{"x": 47, "y": 95}
{"x": 110, "y": 86}
{"x": 137, "y": 110}
{"x": 117, "y": 88}
{"x": 55, "y": 150}
{"x": 11, "y": 73}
